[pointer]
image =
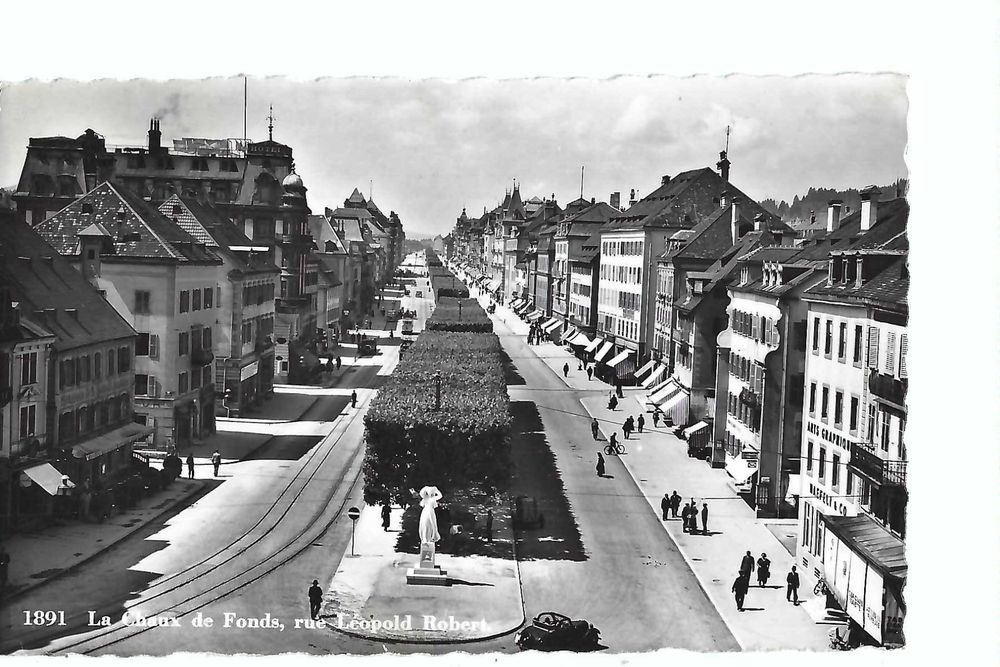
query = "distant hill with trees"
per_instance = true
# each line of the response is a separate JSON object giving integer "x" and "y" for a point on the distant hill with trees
{"x": 817, "y": 199}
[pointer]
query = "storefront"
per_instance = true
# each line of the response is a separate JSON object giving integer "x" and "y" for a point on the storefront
{"x": 671, "y": 399}
{"x": 864, "y": 568}
{"x": 743, "y": 468}
{"x": 104, "y": 458}
{"x": 623, "y": 364}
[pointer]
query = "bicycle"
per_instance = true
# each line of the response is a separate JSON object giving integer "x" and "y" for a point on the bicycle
{"x": 820, "y": 588}
{"x": 615, "y": 449}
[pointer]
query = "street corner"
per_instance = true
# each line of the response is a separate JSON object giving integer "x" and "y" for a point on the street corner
{"x": 369, "y": 596}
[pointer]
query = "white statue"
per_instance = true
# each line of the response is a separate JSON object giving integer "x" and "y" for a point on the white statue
{"x": 428, "y": 528}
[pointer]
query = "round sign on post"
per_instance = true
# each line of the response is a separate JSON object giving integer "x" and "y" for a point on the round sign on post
{"x": 353, "y": 513}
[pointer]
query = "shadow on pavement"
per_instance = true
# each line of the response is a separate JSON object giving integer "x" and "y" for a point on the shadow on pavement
{"x": 510, "y": 374}
{"x": 536, "y": 476}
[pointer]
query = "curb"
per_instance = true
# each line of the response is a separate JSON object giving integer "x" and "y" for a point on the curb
{"x": 196, "y": 494}
{"x": 682, "y": 552}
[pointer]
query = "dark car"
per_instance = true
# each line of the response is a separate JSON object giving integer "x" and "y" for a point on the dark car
{"x": 550, "y": 631}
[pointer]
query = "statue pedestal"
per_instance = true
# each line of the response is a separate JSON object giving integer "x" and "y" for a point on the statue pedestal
{"x": 428, "y": 573}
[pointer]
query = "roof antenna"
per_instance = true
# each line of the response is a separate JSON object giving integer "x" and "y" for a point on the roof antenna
{"x": 370, "y": 186}
{"x": 581, "y": 181}
{"x": 727, "y": 140}
{"x": 270, "y": 122}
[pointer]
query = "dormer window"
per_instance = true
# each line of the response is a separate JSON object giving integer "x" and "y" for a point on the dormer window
{"x": 745, "y": 275}
{"x": 87, "y": 207}
{"x": 120, "y": 215}
{"x": 177, "y": 209}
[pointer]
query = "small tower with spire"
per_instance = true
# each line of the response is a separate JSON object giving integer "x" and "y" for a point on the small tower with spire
{"x": 723, "y": 163}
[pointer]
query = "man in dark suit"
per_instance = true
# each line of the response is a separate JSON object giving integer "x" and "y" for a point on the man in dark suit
{"x": 315, "y": 599}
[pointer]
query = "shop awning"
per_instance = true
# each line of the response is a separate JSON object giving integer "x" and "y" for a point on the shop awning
{"x": 663, "y": 391}
{"x": 872, "y": 542}
{"x": 593, "y": 344}
{"x": 794, "y": 488}
{"x": 568, "y": 335}
{"x": 550, "y": 325}
{"x": 580, "y": 340}
{"x": 536, "y": 315}
{"x": 515, "y": 303}
{"x": 45, "y": 476}
{"x": 109, "y": 442}
{"x": 646, "y": 367}
{"x": 603, "y": 352}
{"x": 672, "y": 399}
{"x": 491, "y": 285}
{"x": 653, "y": 377}
{"x": 694, "y": 429}
{"x": 523, "y": 308}
{"x": 740, "y": 469}
{"x": 620, "y": 357}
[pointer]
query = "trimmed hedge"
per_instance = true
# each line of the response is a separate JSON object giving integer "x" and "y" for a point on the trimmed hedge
{"x": 446, "y": 316}
{"x": 447, "y": 292}
{"x": 464, "y": 444}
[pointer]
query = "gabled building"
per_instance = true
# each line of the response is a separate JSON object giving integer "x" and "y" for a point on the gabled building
{"x": 350, "y": 224}
{"x": 515, "y": 244}
{"x": 244, "y": 340}
{"x": 854, "y": 477}
{"x": 66, "y": 380}
{"x": 166, "y": 285}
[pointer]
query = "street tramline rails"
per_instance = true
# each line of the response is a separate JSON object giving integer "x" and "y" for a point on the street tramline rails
{"x": 210, "y": 593}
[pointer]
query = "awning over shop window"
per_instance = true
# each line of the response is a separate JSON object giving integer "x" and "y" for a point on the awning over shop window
{"x": 672, "y": 399}
{"x": 45, "y": 476}
{"x": 592, "y": 345}
{"x": 516, "y": 303}
{"x": 741, "y": 469}
{"x": 654, "y": 377}
{"x": 619, "y": 358}
{"x": 694, "y": 429}
{"x": 603, "y": 352}
{"x": 523, "y": 308}
{"x": 536, "y": 315}
{"x": 109, "y": 442}
{"x": 646, "y": 367}
{"x": 550, "y": 325}
{"x": 794, "y": 488}
{"x": 580, "y": 340}
{"x": 663, "y": 392}
{"x": 491, "y": 285}
{"x": 568, "y": 335}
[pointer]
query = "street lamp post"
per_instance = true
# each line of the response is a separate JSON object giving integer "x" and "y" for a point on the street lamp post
{"x": 459, "y": 311}
{"x": 437, "y": 390}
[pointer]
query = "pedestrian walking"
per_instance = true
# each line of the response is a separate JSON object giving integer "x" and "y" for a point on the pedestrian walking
{"x": 640, "y": 422}
{"x": 190, "y": 464}
{"x": 595, "y": 428}
{"x": 704, "y": 518}
{"x": 612, "y": 403}
{"x": 566, "y": 370}
{"x": 763, "y": 570}
{"x": 656, "y": 418}
{"x": 4, "y": 567}
{"x": 386, "y": 513}
{"x": 618, "y": 388}
{"x": 315, "y": 599}
{"x": 354, "y": 398}
{"x": 600, "y": 461}
{"x": 665, "y": 505}
{"x": 740, "y": 588}
{"x": 216, "y": 461}
{"x": 792, "y": 579}
{"x": 686, "y": 518}
{"x": 338, "y": 362}
{"x": 489, "y": 526}
{"x": 675, "y": 503}
{"x": 625, "y": 428}
{"x": 746, "y": 565}
{"x": 590, "y": 373}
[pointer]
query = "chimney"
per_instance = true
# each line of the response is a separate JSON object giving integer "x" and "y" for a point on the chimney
{"x": 724, "y": 199}
{"x": 758, "y": 222}
{"x": 154, "y": 136}
{"x": 664, "y": 179}
{"x": 723, "y": 165}
{"x": 812, "y": 217}
{"x": 869, "y": 207}
{"x": 616, "y": 200}
{"x": 631, "y": 197}
{"x": 735, "y": 221}
{"x": 833, "y": 215}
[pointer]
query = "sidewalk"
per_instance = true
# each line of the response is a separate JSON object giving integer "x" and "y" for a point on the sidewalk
{"x": 40, "y": 556}
{"x": 658, "y": 462}
{"x": 369, "y": 597}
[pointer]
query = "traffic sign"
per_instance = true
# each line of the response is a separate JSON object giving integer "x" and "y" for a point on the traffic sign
{"x": 354, "y": 513}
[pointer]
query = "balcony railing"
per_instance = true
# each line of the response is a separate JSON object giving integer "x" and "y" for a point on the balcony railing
{"x": 865, "y": 462}
{"x": 887, "y": 387}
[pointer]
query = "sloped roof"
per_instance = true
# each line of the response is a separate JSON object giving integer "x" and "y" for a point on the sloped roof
{"x": 204, "y": 221}
{"x": 153, "y": 235}
{"x": 48, "y": 280}
{"x": 323, "y": 233}
{"x": 891, "y": 219}
{"x": 356, "y": 199}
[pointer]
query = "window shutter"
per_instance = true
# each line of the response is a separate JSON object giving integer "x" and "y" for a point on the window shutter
{"x": 872, "y": 347}
{"x": 151, "y": 386}
{"x": 890, "y": 353}
{"x": 154, "y": 346}
{"x": 902, "y": 356}
{"x": 755, "y": 331}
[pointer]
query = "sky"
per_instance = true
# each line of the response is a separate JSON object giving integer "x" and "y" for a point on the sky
{"x": 428, "y": 148}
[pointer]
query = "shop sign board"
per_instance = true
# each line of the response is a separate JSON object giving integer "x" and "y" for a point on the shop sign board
{"x": 248, "y": 371}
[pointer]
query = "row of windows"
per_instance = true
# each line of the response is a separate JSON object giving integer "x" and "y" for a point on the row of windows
{"x": 84, "y": 368}
{"x": 758, "y": 327}
{"x": 747, "y": 415}
{"x": 94, "y": 417}
{"x": 580, "y": 313}
{"x": 620, "y": 327}
{"x": 838, "y": 406}
{"x": 195, "y": 339}
{"x": 29, "y": 367}
{"x": 198, "y": 298}
{"x": 168, "y": 162}
{"x": 747, "y": 370}
{"x": 196, "y": 378}
{"x": 623, "y": 274}
{"x": 621, "y": 247}
{"x": 581, "y": 289}
{"x": 26, "y": 425}
{"x": 821, "y": 468}
{"x": 258, "y": 293}
{"x": 842, "y": 340}
{"x": 264, "y": 327}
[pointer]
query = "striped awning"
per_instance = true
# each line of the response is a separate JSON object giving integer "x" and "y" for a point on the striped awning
{"x": 654, "y": 377}
{"x": 669, "y": 396}
{"x": 580, "y": 340}
{"x": 515, "y": 303}
{"x": 594, "y": 343}
{"x": 648, "y": 366}
{"x": 694, "y": 429}
{"x": 662, "y": 390}
{"x": 603, "y": 352}
{"x": 551, "y": 324}
{"x": 536, "y": 315}
{"x": 620, "y": 357}
{"x": 568, "y": 335}
{"x": 109, "y": 442}
{"x": 524, "y": 307}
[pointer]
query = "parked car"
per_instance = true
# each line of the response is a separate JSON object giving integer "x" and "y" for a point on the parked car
{"x": 551, "y": 631}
